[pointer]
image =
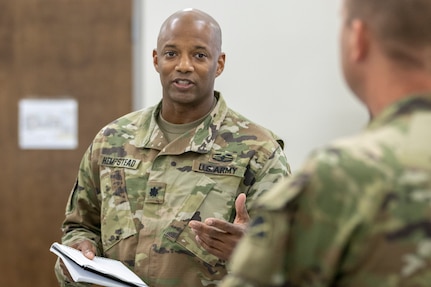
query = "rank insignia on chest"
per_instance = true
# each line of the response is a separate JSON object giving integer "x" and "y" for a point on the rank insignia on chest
{"x": 155, "y": 192}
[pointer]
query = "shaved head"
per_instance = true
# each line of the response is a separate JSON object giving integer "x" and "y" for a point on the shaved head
{"x": 192, "y": 15}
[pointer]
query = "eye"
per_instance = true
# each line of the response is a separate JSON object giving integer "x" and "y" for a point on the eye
{"x": 170, "y": 54}
{"x": 200, "y": 55}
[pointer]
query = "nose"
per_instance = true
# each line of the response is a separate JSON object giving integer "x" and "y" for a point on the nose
{"x": 184, "y": 64}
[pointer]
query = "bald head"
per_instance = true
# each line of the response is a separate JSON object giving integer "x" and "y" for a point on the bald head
{"x": 188, "y": 16}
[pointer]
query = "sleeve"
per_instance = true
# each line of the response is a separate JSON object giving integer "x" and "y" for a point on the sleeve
{"x": 301, "y": 228}
{"x": 258, "y": 259}
{"x": 268, "y": 168}
{"x": 83, "y": 207}
{"x": 82, "y": 218}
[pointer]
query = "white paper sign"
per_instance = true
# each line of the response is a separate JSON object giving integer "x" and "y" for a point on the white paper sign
{"x": 48, "y": 123}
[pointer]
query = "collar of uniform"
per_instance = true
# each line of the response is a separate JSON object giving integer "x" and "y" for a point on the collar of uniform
{"x": 149, "y": 134}
{"x": 205, "y": 134}
{"x": 199, "y": 140}
{"x": 406, "y": 106}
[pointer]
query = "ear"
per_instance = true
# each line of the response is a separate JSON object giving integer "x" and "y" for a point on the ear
{"x": 359, "y": 40}
{"x": 155, "y": 60}
{"x": 220, "y": 64}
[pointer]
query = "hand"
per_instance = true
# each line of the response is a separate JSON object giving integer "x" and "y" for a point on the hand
{"x": 87, "y": 249}
{"x": 220, "y": 237}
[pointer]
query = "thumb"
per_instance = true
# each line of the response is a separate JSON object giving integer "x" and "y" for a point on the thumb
{"x": 242, "y": 216}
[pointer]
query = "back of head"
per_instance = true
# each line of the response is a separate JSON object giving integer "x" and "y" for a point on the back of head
{"x": 403, "y": 27}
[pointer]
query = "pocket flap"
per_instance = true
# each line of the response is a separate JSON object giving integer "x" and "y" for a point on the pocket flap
{"x": 178, "y": 230}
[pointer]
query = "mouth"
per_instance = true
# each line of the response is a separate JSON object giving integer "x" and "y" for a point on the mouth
{"x": 183, "y": 83}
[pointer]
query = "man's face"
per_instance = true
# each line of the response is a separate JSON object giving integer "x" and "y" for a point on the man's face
{"x": 188, "y": 60}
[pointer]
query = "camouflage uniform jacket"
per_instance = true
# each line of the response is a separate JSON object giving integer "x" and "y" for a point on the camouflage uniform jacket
{"x": 135, "y": 193}
{"x": 358, "y": 213}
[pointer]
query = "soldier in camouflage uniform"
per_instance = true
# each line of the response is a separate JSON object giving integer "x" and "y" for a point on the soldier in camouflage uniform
{"x": 358, "y": 213}
{"x": 164, "y": 189}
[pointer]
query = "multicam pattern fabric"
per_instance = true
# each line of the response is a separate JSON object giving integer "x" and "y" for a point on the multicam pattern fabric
{"x": 135, "y": 193}
{"x": 358, "y": 214}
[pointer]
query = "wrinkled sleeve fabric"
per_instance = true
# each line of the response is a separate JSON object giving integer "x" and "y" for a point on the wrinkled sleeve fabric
{"x": 82, "y": 212}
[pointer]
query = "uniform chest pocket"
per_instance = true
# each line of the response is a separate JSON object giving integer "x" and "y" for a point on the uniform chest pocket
{"x": 178, "y": 230}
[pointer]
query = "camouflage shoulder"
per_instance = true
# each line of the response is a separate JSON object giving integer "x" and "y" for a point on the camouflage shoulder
{"x": 278, "y": 139}
{"x": 322, "y": 165}
{"x": 124, "y": 128}
{"x": 132, "y": 117}
{"x": 262, "y": 133}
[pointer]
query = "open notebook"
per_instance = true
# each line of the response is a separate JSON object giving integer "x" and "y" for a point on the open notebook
{"x": 100, "y": 270}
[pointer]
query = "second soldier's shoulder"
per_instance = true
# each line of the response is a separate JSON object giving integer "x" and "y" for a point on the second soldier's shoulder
{"x": 342, "y": 159}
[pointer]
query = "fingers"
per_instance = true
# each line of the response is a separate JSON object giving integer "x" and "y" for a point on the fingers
{"x": 86, "y": 247}
{"x": 215, "y": 247}
{"x": 204, "y": 229}
{"x": 211, "y": 231}
{"x": 88, "y": 253}
{"x": 214, "y": 240}
{"x": 215, "y": 228}
{"x": 221, "y": 226}
{"x": 217, "y": 237}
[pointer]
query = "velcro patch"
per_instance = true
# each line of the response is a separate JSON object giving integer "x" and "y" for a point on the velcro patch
{"x": 119, "y": 162}
{"x": 208, "y": 167}
{"x": 155, "y": 192}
